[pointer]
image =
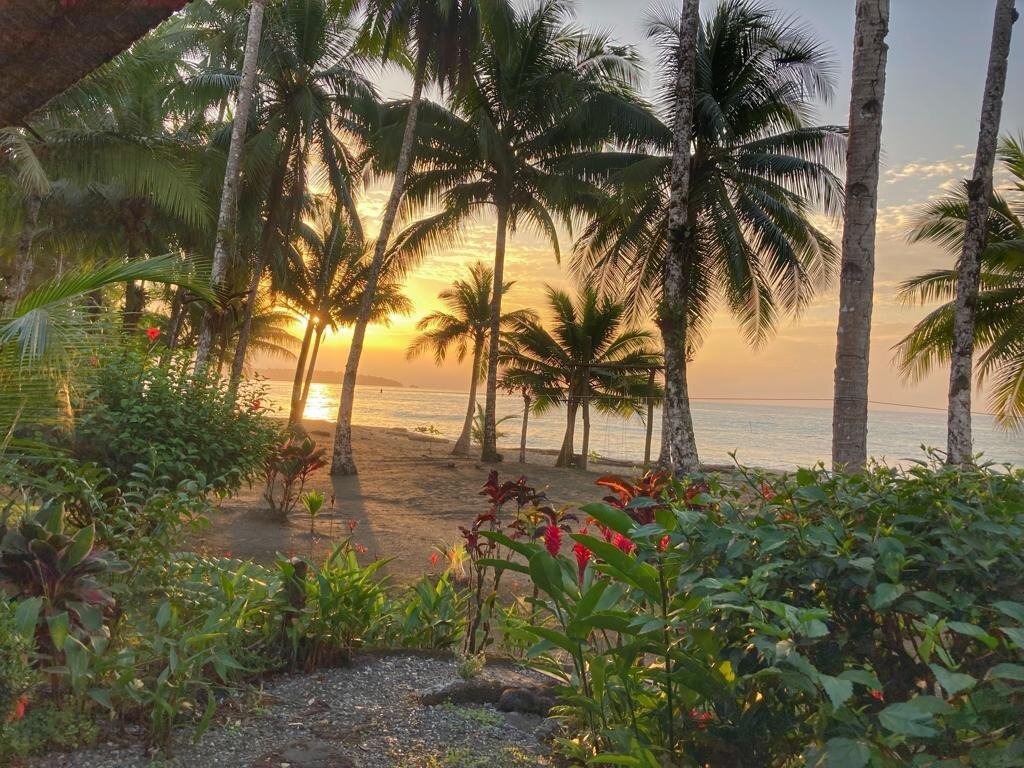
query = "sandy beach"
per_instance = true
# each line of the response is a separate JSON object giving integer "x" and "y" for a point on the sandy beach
{"x": 410, "y": 496}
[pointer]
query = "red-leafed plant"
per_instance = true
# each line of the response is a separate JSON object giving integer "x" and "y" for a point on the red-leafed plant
{"x": 60, "y": 575}
{"x": 286, "y": 472}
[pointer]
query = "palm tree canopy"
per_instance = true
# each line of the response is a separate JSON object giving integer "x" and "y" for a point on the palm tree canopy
{"x": 760, "y": 169}
{"x": 543, "y": 92}
{"x": 464, "y": 325}
{"x": 999, "y": 326}
{"x": 588, "y": 351}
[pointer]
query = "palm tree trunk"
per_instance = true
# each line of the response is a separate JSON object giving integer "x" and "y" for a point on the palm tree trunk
{"x": 174, "y": 324}
{"x": 232, "y": 174}
{"x": 856, "y": 282}
{"x": 462, "y": 444}
{"x": 294, "y": 414}
{"x": 979, "y": 193}
{"x": 342, "y": 460}
{"x": 489, "y": 450}
{"x": 650, "y": 419}
{"x": 245, "y": 330}
{"x": 566, "y": 456}
{"x": 23, "y": 256}
{"x": 310, "y": 369}
{"x": 585, "y": 451}
{"x": 678, "y": 447}
{"x": 526, "y": 421}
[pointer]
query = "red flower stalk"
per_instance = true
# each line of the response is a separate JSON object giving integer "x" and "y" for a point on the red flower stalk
{"x": 583, "y": 555}
{"x": 767, "y": 492}
{"x": 701, "y": 718}
{"x": 435, "y": 559}
{"x": 877, "y": 695}
{"x": 255, "y": 405}
{"x": 153, "y": 333}
{"x": 553, "y": 539}
{"x": 663, "y": 544}
{"x": 623, "y": 543}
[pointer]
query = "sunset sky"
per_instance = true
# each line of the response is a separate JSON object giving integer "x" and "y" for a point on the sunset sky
{"x": 937, "y": 61}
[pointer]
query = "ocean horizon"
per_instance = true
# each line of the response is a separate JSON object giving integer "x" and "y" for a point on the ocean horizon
{"x": 771, "y": 435}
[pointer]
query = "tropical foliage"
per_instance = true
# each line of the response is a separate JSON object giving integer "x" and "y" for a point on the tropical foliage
{"x": 1000, "y": 307}
{"x": 589, "y": 359}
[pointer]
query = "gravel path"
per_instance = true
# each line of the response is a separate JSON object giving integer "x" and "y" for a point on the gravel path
{"x": 362, "y": 716}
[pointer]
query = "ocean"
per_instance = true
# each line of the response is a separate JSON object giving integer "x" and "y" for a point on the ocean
{"x": 765, "y": 435}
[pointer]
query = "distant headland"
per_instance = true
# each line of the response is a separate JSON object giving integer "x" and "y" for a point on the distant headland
{"x": 329, "y": 377}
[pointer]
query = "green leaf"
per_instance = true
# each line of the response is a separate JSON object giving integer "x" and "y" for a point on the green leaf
{"x": 907, "y": 720}
{"x": 1015, "y": 634}
{"x": 58, "y": 625}
{"x": 886, "y": 594}
{"x": 26, "y": 616}
{"x": 1011, "y": 609}
{"x": 80, "y": 546}
{"x": 839, "y": 691}
{"x": 613, "y": 518}
{"x": 846, "y": 753}
{"x": 973, "y": 630}
{"x": 1007, "y": 672}
{"x": 952, "y": 682}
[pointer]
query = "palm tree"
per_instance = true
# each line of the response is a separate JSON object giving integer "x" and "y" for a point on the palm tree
{"x": 999, "y": 322}
{"x": 326, "y": 287}
{"x": 589, "y": 358}
{"x": 226, "y": 219}
{"x": 462, "y": 329}
{"x": 544, "y": 92}
{"x": 758, "y": 170}
{"x": 678, "y": 445}
{"x": 311, "y": 100}
{"x": 857, "y": 275}
{"x": 23, "y": 181}
{"x": 444, "y": 34}
{"x": 960, "y": 448}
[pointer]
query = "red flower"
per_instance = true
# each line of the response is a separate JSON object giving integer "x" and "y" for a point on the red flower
{"x": 435, "y": 559}
{"x": 878, "y": 695}
{"x": 360, "y": 549}
{"x": 767, "y": 492}
{"x": 701, "y": 718}
{"x": 352, "y": 525}
{"x": 553, "y": 539}
{"x": 663, "y": 544}
{"x": 153, "y": 333}
{"x": 18, "y": 711}
{"x": 583, "y": 555}
{"x": 255, "y": 405}
{"x": 623, "y": 543}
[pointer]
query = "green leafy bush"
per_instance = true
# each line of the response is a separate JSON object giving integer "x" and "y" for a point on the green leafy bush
{"x": 135, "y": 410}
{"x": 822, "y": 620}
{"x": 16, "y": 674}
{"x": 285, "y": 471}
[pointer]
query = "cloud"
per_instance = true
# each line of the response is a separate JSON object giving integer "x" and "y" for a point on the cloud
{"x": 921, "y": 170}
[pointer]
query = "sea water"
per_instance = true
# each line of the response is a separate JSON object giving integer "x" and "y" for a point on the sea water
{"x": 762, "y": 435}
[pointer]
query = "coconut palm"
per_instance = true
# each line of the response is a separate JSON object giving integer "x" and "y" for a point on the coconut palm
{"x": 462, "y": 330}
{"x": 544, "y": 92}
{"x": 327, "y": 287}
{"x": 226, "y": 218}
{"x": 444, "y": 35}
{"x": 999, "y": 325}
{"x": 960, "y": 448}
{"x": 758, "y": 172}
{"x": 311, "y": 103}
{"x": 856, "y": 282}
{"x": 590, "y": 358}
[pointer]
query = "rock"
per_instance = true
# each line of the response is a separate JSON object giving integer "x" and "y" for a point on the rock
{"x": 537, "y": 700}
{"x": 305, "y": 754}
{"x": 509, "y": 688}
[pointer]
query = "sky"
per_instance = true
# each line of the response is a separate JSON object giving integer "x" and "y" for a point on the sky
{"x": 936, "y": 71}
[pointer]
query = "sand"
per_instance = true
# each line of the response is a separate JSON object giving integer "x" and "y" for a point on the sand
{"x": 409, "y": 497}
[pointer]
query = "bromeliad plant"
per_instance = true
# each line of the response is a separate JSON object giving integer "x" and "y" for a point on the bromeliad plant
{"x": 823, "y": 620}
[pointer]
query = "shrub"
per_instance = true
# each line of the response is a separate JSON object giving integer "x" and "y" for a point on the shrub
{"x": 135, "y": 410}
{"x": 823, "y": 620}
{"x": 16, "y": 675}
{"x": 286, "y": 470}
